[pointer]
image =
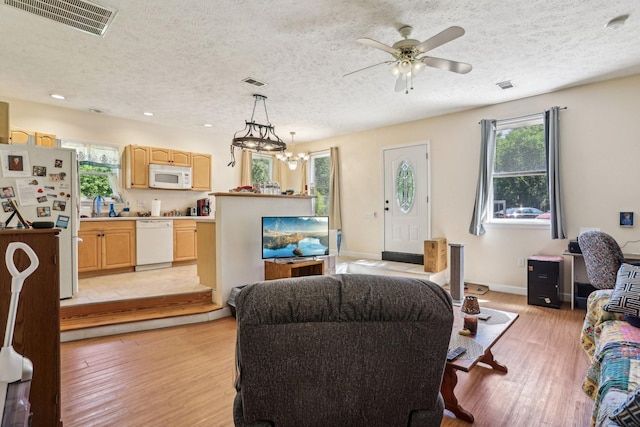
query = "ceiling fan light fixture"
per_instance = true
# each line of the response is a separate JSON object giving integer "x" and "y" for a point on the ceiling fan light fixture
{"x": 404, "y": 66}
{"x": 417, "y": 67}
{"x": 407, "y": 63}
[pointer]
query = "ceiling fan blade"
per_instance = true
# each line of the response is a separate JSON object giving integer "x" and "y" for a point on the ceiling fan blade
{"x": 378, "y": 45}
{"x": 446, "y": 64}
{"x": 366, "y": 68}
{"x": 441, "y": 38}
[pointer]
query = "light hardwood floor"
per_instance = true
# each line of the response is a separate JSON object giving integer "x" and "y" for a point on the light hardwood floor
{"x": 183, "y": 376}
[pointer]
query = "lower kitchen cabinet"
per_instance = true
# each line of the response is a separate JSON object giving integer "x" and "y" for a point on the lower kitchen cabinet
{"x": 185, "y": 241}
{"x": 106, "y": 245}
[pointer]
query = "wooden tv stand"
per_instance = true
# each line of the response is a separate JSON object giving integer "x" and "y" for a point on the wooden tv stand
{"x": 285, "y": 270}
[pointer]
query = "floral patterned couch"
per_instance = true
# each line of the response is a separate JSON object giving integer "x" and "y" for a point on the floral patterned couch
{"x": 613, "y": 379}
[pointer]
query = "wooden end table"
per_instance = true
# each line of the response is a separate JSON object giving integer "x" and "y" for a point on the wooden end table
{"x": 478, "y": 350}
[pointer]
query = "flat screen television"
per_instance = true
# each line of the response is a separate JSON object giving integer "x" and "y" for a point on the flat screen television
{"x": 294, "y": 236}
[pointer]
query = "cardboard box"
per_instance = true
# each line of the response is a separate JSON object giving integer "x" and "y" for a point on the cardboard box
{"x": 435, "y": 255}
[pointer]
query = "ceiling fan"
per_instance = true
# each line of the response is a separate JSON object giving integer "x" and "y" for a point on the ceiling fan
{"x": 409, "y": 59}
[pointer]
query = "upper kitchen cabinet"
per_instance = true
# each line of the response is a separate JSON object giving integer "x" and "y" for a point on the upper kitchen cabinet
{"x": 21, "y": 136}
{"x": 166, "y": 156}
{"x": 136, "y": 163}
{"x": 136, "y": 160}
{"x": 201, "y": 169}
{"x": 4, "y": 123}
{"x": 45, "y": 139}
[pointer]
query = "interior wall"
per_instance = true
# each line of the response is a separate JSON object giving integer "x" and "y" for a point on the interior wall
{"x": 100, "y": 128}
{"x": 599, "y": 157}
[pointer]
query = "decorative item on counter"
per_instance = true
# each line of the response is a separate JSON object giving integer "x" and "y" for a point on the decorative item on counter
{"x": 155, "y": 207}
{"x": 242, "y": 189}
{"x": 97, "y": 202}
{"x": 469, "y": 311}
{"x": 112, "y": 211}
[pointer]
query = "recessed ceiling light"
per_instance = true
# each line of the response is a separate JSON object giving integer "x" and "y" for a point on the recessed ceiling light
{"x": 616, "y": 22}
{"x": 57, "y": 96}
{"x": 207, "y": 125}
{"x": 146, "y": 113}
{"x": 95, "y": 110}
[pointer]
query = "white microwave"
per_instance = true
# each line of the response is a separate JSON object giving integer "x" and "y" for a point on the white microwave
{"x": 170, "y": 177}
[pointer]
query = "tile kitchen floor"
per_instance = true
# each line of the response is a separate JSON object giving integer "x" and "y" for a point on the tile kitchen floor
{"x": 138, "y": 284}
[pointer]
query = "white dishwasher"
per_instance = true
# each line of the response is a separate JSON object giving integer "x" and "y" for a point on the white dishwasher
{"x": 154, "y": 243}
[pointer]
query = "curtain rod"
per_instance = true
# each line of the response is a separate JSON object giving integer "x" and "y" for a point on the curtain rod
{"x": 525, "y": 116}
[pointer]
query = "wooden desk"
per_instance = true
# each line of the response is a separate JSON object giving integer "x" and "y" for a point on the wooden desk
{"x": 579, "y": 272}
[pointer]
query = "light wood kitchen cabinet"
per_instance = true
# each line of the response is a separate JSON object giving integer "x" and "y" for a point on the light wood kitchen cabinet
{"x": 45, "y": 139}
{"x": 167, "y": 156}
{"x": 5, "y": 135}
{"x": 106, "y": 245}
{"x": 201, "y": 171}
{"x": 185, "y": 240}
{"x": 136, "y": 161}
{"x": 19, "y": 136}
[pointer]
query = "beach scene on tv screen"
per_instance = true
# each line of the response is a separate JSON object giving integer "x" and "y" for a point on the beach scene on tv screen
{"x": 288, "y": 237}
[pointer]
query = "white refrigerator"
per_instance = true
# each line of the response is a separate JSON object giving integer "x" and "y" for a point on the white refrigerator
{"x": 43, "y": 183}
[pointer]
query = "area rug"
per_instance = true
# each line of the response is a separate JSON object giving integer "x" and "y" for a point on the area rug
{"x": 472, "y": 288}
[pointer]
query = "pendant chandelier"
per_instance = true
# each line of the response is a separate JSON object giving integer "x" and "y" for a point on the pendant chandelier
{"x": 255, "y": 136}
{"x": 292, "y": 159}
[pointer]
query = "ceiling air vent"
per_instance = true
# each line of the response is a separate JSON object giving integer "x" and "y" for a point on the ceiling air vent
{"x": 254, "y": 82}
{"x": 505, "y": 85}
{"x": 82, "y": 15}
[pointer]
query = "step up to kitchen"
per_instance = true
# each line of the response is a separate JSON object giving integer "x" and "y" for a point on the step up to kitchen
{"x": 109, "y": 313}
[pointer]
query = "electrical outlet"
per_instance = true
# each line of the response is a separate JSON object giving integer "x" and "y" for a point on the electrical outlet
{"x": 140, "y": 204}
{"x": 520, "y": 262}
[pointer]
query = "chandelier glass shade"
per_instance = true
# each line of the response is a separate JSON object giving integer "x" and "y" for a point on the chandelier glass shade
{"x": 255, "y": 136}
{"x": 290, "y": 158}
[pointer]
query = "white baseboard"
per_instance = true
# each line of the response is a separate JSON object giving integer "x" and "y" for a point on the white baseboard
{"x": 358, "y": 255}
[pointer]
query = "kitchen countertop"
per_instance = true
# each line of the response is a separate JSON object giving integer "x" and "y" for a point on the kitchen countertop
{"x": 135, "y": 218}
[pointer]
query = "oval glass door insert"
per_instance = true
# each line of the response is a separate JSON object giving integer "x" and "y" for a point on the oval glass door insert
{"x": 405, "y": 186}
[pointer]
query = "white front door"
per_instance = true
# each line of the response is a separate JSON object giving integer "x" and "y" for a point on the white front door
{"x": 406, "y": 199}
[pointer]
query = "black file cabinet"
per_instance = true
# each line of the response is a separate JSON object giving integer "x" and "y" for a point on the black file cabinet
{"x": 544, "y": 281}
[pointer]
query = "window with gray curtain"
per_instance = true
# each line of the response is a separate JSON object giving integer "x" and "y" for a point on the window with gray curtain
{"x": 519, "y": 177}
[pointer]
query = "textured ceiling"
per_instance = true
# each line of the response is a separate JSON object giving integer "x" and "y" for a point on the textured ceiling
{"x": 185, "y": 61}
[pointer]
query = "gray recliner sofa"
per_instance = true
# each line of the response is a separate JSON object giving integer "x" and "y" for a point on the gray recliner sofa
{"x": 341, "y": 350}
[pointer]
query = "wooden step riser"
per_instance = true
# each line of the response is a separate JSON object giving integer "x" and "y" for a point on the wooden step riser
{"x": 135, "y": 304}
{"x": 133, "y": 310}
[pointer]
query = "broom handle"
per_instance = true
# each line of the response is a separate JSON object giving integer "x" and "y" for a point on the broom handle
{"x": 11, "y": 319}
{"x": 17, "y": 280}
